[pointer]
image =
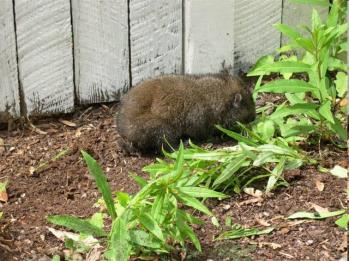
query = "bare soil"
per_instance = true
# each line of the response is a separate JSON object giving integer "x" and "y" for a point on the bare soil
{"x": 64, "y": 187}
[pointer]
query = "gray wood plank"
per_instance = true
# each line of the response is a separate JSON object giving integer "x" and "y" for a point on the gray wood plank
{"x": 296, "y": 15}
{"x": 156, "y": 38}
{"x": 45, "y": 60}
{"x": 100, "y": 49}
{"x": 255, "y": 35}
{"x": 209, "y": 35}
{"x": 9, "y": 92}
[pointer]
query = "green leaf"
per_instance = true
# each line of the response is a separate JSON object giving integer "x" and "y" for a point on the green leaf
{"x": 186, "y": 231}
{"x": 277, "y": 150}
{"x": 198, "y": 192}
{"x": 315, "y": 20}
{"x": 321, "y": 215}
{"x": 325, "y": 111}
{"x": 158, "y": 205}
{"x": 338, "y": 129}
{"x": 123, "y": 198}
{"x": 3, "y": 186}
{"x": 142, "y": 238}
{"x": 119, "y": 246}
{"x": 288, "y": 31}
{"x": 237, "y": 136}
{"x": 312, "y": 2}
{"x": 149, "y": 223}
{"x": 256, "y": 88}
{"x": 97, "y": 220}
{"x": 269, "y": 59}
{"x": 139, "y": 180}
{"x": 287, "y": 86}
{"x": 276, "y": 174}
{"x": 101, "y": 181}
{"x": 299, "y": 108}
{"x": 243, "y": 232}
{"x": 343, "y": 221}
{"x": 332, "y": 18}
{"x": 339, "y": 171}
{"x": 341, "y": 84}
{"x": 192, "y": 202}
{"x": 281, "y": 67}
{"x": 230, "y": 170}
{"x": 77, "y": 224}
{"x": 56, "y": 258}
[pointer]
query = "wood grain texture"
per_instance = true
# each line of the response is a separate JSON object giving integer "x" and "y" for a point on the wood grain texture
{"x": 209, "y": 35}
{"x": 9, "y": 91}
{"x": 100, "y": 49}
{"x": 254, "y": 33}
{"x": 45, "y": 60}
{"x": 156, "y": 38}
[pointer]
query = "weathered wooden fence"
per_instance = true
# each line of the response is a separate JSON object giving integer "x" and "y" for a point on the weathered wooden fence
{"x": 55, "y": 54}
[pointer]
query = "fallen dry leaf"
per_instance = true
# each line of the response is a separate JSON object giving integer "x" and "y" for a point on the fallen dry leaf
{"x": 95, "y": 254}
{"x": 3, "y": 196}
{"x": 68, "y": 123}
{"x": 252, "y": 192}
{"x": 37, "y": 130}
{"x": 250, "y": 201}
{"x": 344, "y": 245}
{"x": 343, "y": 102}
{"x": 286, "y": 255}
{"x": 318, "y": 208}
{"x": 263, "y": 222}
{"x": 319, "y": 185}
{"x": 269, "y": 244}
{"x": 2, "y": 145}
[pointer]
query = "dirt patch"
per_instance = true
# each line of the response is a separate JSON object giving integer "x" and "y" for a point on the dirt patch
{"x": 64, "y": 187}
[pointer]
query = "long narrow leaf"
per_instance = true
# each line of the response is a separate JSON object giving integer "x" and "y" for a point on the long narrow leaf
{"x": 198, "y": 192}
{"x": 193, "y": 202}
{"x": 119, "y": 245}
{"x": 101, "y": 181}
{"x": 77, "y": 224}
{"x": 149, "y": 223}
{"x": 287, "y": 86}
{"x": 230, "y": 170}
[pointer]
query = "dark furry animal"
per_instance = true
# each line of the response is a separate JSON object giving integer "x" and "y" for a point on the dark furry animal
{"x": 175, "y": 106}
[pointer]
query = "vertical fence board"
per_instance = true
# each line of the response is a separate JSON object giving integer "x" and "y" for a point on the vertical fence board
{"x": 209, "y": 35}
{"x": 296, "y": 15}
{"x": 9, "y": 97}
{"x": 254, "y": 33}
{"x": 156, "y": 38}
{"x": 45, "y": 59}
{"x": 100, "y": 49}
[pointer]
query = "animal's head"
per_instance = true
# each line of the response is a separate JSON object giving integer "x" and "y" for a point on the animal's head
{"x": 240, "y": 106}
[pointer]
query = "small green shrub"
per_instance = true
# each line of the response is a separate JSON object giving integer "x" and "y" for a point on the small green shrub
{"x": 151, "y": 221}
{"x": 314, "y": 99}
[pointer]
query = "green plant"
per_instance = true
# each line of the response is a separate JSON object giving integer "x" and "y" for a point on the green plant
{"x": 314, "y": 85}
{"x": 151, "y": 221}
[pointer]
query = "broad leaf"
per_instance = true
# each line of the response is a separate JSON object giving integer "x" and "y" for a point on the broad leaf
{"x": 119, "y": 245}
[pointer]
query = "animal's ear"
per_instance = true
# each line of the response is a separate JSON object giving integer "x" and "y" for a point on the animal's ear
{"x": 237, "y": 100}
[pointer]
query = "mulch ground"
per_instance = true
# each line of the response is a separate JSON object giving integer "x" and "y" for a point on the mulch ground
{"x": 64, "y": 187}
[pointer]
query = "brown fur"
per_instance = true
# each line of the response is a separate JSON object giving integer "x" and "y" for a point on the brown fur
{"x": 175, "y": 106}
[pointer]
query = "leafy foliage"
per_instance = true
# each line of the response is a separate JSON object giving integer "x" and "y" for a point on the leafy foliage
{"x": 150, "y": 221}
{"x": 315, "y": 104}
